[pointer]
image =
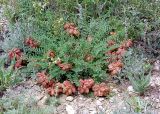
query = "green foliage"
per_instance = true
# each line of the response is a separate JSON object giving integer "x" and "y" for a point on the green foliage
{"x": 6, "y": 76}
{"x": 137, "y": 104}
{"x": 138, "y": 70}
{"x": 71, "y": 50}
{"x": 140, "y": 82}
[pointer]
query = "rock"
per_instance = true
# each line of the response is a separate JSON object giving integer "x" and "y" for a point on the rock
{"x": 69, "y": 98}
{"x": 92, "y": 106}
{"x": 62, "y": 99}
{"x": 42, "y": 101}
{"x": 115, "y": 91}
{"x": 130, "y": 89}
{"x": 82, "y": 98}
{"x": 93, "y": 112}
{"x": 85, "y": 111}
{"x": 92, "y": 109}
{"x": 124, "y": 108}
{"x": 101, "y": 99}
{"x": 111, "y": 100}
{"x": 98, "y": 103}
{"x": 146, "y": 98}
{"x": 156, "y": 66}
{"x": 70, "y": 110}
{"x": 157, "y": 100}
{"x": 157, "y": 106}
{"x": 101, "y": 108}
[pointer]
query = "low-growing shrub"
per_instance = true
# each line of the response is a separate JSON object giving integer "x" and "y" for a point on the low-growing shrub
{"x": 77, "y": 40}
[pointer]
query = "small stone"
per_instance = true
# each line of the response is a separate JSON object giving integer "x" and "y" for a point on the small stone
{"x": 99, "y": 103}
{"x": 92, "y": 106}
{"x": 101, "y": 108}
{"x": 82, "y": 98}
{"x": 124, "y": 108}
{"x": 153, "y": 99}
{"x": 130, "y": 89}
{"x": 85, "y": 111}
{"x": 111, "y": 100}
{"x": 157, "y": 106}
{"x": 146, "y": 98}
{"x": 42, "y": 101}
{"x": 93, "y": 112}
{"x": 92, "y": 109}
{"x": 157, "y": 100}
{"x": 70, "y": 110}
{"x": 101, "y": 99}
{"x": 63, "y": 113}
{"x": 115, "y": 91}
{"x": 157, "y": 66}
{"x": 69, "y": 98}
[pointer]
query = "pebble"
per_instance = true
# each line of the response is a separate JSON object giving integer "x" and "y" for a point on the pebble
{"x": 63, "y": 113}
{"x": 69, "y": 98}
{"x": 157, "y": 66}
{"x": 157, "y": 106}
{"x": 92, "y": 109}
{"x": 93, "y": 112}
{"x": 111, "y": 100}
{"x": 85, "y": 111}
{"x": 115, "y": 91}
{"x": 130, "y": 89}
{"x": 101, "y": 108}
{"x": 81, "y": 98}
{"x": 146, "y": 98}
{"x": 92, "y": 105}
{"x": 157, "y": 100}
{"x": 70, "y": 110}
{"x": 99, "y": 103}
{"x": 124, "y": 108}
{"x": 42, "y": 101}
{"x": 101, "y": 99}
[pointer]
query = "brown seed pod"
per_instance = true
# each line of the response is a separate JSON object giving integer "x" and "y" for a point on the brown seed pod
{"x": 85, "y": 85}
{"x": 71, "y": 29}
{"x": 68, "y": 88}
{"x": 88, "y": 58}
{"x": 100, "y": 90}
{"x": 51, "y": 54}
{"x": 115, "y": 67}
{"x": 65, "y": 66}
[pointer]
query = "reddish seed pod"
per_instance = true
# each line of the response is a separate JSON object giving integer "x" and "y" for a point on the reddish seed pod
{"x": 51, "y": 54}
{"x": 68, "y": 88}
{"x": 71, "y": 29}
{"x": 88, "y": 58}
{"x": 100, "y": 90}
{"x": 115, "y": 67}
{"x": 16, "y": 52}
{"x": 85, "y": 85}
{"x": 31, "y": 42}
{"x": 65, "y": 66}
